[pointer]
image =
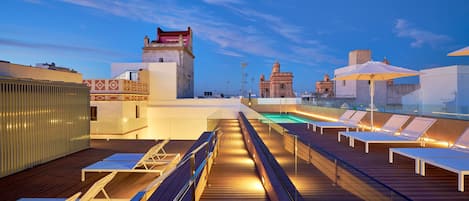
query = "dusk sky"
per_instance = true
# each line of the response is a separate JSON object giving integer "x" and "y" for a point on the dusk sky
{"x": 308, "y": 38}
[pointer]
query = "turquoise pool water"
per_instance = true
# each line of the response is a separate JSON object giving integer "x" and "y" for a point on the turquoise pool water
{"x": 284, "y": 118}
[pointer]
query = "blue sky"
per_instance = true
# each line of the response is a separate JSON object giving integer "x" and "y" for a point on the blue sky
{"x": 308, "y": 38}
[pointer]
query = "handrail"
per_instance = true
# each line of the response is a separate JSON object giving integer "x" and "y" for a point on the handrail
{"x": 196, "y": 171}
{"x": 286, "y": 185}
{"x": 210, "y": 143}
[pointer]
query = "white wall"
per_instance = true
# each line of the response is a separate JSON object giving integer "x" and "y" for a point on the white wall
{"x": 162, "y": 76}
{"x": 163, "y": 81}
{"x": 349, "y": 90}
{"x": 186, "y": 119}
{"x": 439, "y": 85}
{"x": 119, "y": 68}
{"x": 442, "y": 89}
{"x": 116, "y": 118}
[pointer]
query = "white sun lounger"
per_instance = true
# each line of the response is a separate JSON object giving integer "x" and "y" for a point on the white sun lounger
{"x": 391, "y": 126}
{"x": 459, "y": 166}
{"x": 158, "y": 154}
{"x": 145, "y": 164}
{"x": 411, "y": 134}
{"x": 345, "y": 117}
{"x": 92, "y": 192}
{"x": 353, "y": 122}
{"x": 452, "y": 159}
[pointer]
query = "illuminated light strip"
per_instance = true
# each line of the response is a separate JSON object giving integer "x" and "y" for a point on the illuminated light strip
{"x": 317, "y": 116}
{"x": 449, "y": 113}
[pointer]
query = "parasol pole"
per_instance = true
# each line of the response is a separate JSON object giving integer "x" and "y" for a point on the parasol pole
{"x": 372, "y": 94}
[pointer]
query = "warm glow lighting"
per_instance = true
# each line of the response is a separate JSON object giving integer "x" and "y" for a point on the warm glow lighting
{"x": 258, "y": 186}
{"x": 317, "y": 116}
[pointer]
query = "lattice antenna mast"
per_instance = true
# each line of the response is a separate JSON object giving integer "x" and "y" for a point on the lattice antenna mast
{"x": 243, "y": 78}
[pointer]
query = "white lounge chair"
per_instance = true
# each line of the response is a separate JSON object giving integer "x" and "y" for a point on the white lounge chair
{"x": 391, "y": 126}
{"x": 130, "y": 162}
{"x": 344, "y": 117}
{"x": 453, "y": 159}
{"x": 411, "y": 134}
{"x": 353, "y": 122}
{"x": 157, "y": 155}
{"x": 92, "y": 192}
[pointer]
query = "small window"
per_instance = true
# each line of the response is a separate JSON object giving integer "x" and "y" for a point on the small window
{"x": 94, "y": 113}
{"x": 282, "y": 86}
{"x": 137, "y": 112}
{"x": 160, "y": 60}
{"x": 343, "y": 82}
{"x": 326, "y": 89}
{"x": 369, "y": 82}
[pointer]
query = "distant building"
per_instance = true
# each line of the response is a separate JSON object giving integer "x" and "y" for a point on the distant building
{"x": 442, "y": 89}
{"x": 325, "y": 87}
{"x": 280, "y": 84}
{"x": 386, "y": 92}
{"x": 43, "y": 116}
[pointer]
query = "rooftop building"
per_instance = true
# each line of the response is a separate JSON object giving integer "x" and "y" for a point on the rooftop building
{"x": 280, "y": 84}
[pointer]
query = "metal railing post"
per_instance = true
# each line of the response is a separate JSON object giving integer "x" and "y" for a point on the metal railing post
{"x": 296, "y": 161}
{"x": 192, "y": 163}
{"x": 336, "y": 173}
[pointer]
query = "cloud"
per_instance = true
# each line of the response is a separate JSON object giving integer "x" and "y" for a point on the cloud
{"x": 247, "y": 39}
{"x": 223, "y": 2}
{"x": 33, "y": 1}
{"x": 57, "y": 47}
{"x": 229, "y": 53}
{"x": 421, "y": 37}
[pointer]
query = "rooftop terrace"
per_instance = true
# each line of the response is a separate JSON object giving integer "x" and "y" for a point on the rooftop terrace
{"x": 61, "y": 177}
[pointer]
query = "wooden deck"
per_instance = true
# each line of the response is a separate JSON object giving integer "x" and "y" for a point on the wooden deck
{"x": 437, "y": 185}
{"x": 233, "y": 175}
{"x": 310, "y": 182}
{"x": 61, "y": 177}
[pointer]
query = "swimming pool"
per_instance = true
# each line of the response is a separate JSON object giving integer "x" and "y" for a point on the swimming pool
{"x": 284, "y": 118}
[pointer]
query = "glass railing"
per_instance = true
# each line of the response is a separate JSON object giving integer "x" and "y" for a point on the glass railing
{"x": 449, "y": 111}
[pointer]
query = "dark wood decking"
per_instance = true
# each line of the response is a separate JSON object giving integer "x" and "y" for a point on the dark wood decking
{"x": 310, "y": 182}
{"x": 233, "y": 175}
{"x": 437, "y": 185}
{"x": 61, "y": 177}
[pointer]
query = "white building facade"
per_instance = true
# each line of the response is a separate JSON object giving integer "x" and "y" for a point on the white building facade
{"x": 442, "y": 89}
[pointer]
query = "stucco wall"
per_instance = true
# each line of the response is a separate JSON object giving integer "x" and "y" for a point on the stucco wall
{"x": 117, "y": 118}
{"x": 185, "y": 119}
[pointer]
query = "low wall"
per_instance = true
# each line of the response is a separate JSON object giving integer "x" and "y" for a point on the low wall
{"x": 338, "y": 174}
{"x": 444, "y": 130}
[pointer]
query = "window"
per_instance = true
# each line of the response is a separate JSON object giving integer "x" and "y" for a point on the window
{"x": 160, "y": 60}
{"x": 137, "y": 112}
{"x": 343, "y": 82}
{"x": 282, "y": 86}
{"x": 369, "y": 82}
{"x": 326, "y": 89}
{"x": 94, "y": 113}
